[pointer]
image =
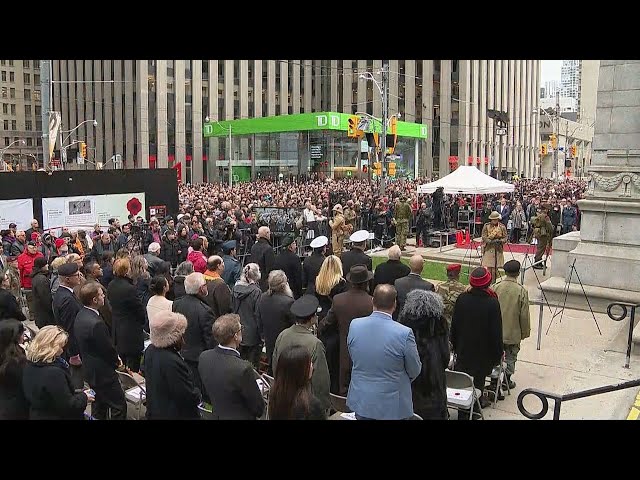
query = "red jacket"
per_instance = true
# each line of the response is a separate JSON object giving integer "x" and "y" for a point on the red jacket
{"x": 199, "y": 261}
{"x": 25, "y": 265}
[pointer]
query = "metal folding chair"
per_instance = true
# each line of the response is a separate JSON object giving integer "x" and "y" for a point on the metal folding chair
{"x": 339, "y": 403}
{"x": 457, "y": 384}
{"x": 134, "y": 391}
{"x": 498, "y": 375}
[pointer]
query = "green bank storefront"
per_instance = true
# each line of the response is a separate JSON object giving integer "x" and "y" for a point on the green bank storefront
{"x": 304, "y": 144}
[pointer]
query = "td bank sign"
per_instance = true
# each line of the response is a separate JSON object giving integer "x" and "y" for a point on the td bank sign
{"x": 328, "y": 121}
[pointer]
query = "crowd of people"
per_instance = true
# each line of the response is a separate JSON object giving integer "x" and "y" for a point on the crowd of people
{"x": 214, "y": 320}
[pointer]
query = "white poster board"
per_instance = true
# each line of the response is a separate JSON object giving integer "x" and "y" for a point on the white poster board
{"x": 18, "y": 211}
{"x": 84, "y": 212}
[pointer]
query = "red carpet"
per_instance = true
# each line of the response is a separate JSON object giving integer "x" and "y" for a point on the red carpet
{"x": 509, "y": 247}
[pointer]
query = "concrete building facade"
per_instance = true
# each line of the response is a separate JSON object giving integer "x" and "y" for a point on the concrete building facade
{"x": 152, "y": 112}
{"x": 20, "y": 114}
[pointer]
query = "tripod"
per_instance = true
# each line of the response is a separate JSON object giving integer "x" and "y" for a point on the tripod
{"x": 566, "y": 294}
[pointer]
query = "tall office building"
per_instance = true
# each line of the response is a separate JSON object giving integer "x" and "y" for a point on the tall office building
{"x": 290, "y": 116}
{"x": 20, "y": 117}
{"x": 550, "y": 89}
{"x": 570, "y": 78}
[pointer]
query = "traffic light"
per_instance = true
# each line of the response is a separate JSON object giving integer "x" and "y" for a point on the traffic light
{"x": 543, "y": 149}
{"x": 364, "y": 169}
{"x": 572, "y": 150}
{"x": 554, "y": 141}
{"x": 352, "y": 126}
{"x": 83, "y": 150}
{"x": 377, "y": 168}
{"x": 392, "y": 169}
{"x": 393, "y": 125}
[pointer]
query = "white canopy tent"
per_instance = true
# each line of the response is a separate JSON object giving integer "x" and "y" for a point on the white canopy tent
{"x": 468, "y": 180}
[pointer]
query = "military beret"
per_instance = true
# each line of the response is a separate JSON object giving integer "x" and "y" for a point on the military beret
{"x": 305, "y": 307}
{"x": 288, "y": 240}
{"x": 68, "y": 269}
{"x": 228, "y": 246}
{"x": 454, "y": 267}
{"x": 512, "y": 266}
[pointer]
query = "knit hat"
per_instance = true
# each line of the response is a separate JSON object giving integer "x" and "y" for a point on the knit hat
{"x": 34, "y": 236}
{"x": 59, "y": 242}
{"x": 39, "y": 262}
{"x": 480, "y": 278}
{"x": 167, "y": 328}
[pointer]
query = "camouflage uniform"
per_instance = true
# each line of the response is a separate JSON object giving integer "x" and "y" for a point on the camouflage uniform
{"x": 402, "y": 215}
{"x": 350, "y": 217}
{"x": 542, "y": 231}
{"x": 449, "y": 292}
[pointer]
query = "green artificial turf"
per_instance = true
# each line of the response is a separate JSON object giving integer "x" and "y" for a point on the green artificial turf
{"x": 431, "y": 270}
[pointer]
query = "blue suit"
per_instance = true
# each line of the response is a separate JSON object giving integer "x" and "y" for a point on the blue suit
{"x": 385, "y": 362}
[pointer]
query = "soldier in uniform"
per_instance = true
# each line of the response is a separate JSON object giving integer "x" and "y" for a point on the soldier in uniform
{"x": 542, "y": 232}
{"x": 402, "y": 215}
{"x": 494, "y": 236}
{"x": 232, "y": 267}
{"x": 350, "y": 215}
{"x": 313, "y": 263}
{"x": 516, "y": 322}
{"x": 356, "y": 255}
{"x": 450, "y": 290}
{"x": 338, "y": 230}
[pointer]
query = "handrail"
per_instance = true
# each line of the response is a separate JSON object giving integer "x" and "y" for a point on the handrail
{"x": 558, "y": 399}
{"x": 618, "y": 318}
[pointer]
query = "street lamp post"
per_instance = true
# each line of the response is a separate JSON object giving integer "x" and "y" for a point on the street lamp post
{"x": 63, "y": 148}
{"x": 383, "y": 90}
{"x": 4, "y": 164}
{"x": 230, "y": 156}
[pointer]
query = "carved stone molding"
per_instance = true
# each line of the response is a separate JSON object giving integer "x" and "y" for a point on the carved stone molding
{"x": 622, "y": 181}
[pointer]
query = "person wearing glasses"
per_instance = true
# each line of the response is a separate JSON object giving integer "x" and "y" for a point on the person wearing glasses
{"x": 230, "y": 381}
{"x": 66, "y": 307}
{"x": 302, "y": 333}
{"x": 47, "y": 382}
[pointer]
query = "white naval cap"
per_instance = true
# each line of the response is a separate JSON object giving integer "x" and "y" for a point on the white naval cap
{"x": 359, "y": 236}
{"x": 319, "y": 242}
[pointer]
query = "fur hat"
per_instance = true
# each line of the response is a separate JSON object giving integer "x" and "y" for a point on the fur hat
{"x": 167, "y": 328}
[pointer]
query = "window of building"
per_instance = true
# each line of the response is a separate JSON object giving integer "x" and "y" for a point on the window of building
{"x": 36, "y": 79}
{"x": 11, "y": 63}
{"x": 38, "y": 110}
{"x": 4, "y": 76}
{"x": 27, "y": 110}
{"x": 3, "y": 92}
{"x": 12, "y": 77}
{"x": 39, "y": 141}
{"x": 39, "y": 124}
{"x": 5, "y": 108}
{"x": 6, "y": 125}
{"x": 29, "y": 142}
{"x": 27, "y": 94}
{"x": 2, "y": 62}
{"x": 12, "y": 93}
{"x": 13, "y": 125}
{"x": 27, "y": 78}
{"x": 28, "y": 125}
{"x": 13, "y": 109}
{"x": 36, "y": 95}
{"x": 7, "y": 141}
{"x": 26, "y": 63}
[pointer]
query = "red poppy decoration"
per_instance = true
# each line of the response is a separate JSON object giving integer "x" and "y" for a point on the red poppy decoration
{"x": 134, "y": 206}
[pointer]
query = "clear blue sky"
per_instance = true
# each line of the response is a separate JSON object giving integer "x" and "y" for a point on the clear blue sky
{"x": 550, "y": 70}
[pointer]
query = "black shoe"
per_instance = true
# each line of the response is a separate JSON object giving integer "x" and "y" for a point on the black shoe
{"x": 491, "y": 395}
{"x": 510, "y": 382}
{"x": 484, "y": 402}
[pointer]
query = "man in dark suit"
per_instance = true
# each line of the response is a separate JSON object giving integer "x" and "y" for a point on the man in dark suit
{"x": 505, "y": 211}
{"x": 354, "y": 303}
{"x": 229, "y": 381}
{"x": 99, "y": 357}
{"x": 289, "y": 262}
{"x": 262, "y": 254}
{"x": 312, "y": 264}
{"x": 413, "y": 281}
{"x": 356, "y": 255}
{"x": 391, "y": 270}
{"x": 198, "y": 336}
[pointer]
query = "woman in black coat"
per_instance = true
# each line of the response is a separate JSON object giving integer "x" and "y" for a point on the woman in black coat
{"x": 171, "y": 391}
{"x": 422, "y": 312}
{"x": 183, "y": 244}
{"x": 41, "y": 288}
{"x": 13, "y": 405}
{"x": 128, "y": 315}
{"x": 47, "y": 382}
{"x": 476, "y": 329}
